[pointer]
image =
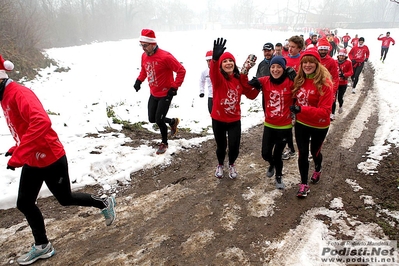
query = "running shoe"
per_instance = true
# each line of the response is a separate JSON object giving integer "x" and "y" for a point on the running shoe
{"x": 162, "y": 148}
{"x": 303, "y": 190}
{"x": 109, "y": 211}
{"x": 173, "y": 127}
{"x": 219, "y": 171}
{"x": 232, "y": 171}
{"x": 315, "y": 177}
{"x": 287, "y": 155}
{"x": 37, "y": 252}
{"x": 279, "y": 182}
{"x": 270, "y": 171}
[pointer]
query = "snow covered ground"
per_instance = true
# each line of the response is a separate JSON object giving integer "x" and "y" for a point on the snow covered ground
{"x": 102, "y": 75}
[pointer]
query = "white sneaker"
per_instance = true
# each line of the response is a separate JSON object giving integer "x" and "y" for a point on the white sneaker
{"x": 232, "y": 171}
{"x": 340, "y": 110}
{"x": 332, "y": 117}
{"x": 219, "y": 171}
{"x": 353, "y": 90}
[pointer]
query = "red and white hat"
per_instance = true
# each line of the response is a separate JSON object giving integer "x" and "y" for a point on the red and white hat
{"x": 147, "y": 35}
{"x": 323, "y": 44}
{"x": 342, "y": 52}
{"x": 208, "y": 55}
{"x": 5, "y": 65}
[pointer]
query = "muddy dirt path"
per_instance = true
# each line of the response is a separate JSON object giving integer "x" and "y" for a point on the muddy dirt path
{"x": 180, "y": 214}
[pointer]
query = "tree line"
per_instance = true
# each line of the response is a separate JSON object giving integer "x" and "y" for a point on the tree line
{"x": 28, "y": 26}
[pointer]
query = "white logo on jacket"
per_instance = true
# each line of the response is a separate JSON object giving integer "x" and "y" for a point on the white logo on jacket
{"x": 230, "y": 102}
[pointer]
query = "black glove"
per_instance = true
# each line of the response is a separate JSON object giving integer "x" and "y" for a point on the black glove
{"x": 172, "y": 92}
{"x": 218, "y": 48}
{"x": 341, "y": 75}
{"x": 10, "y": 167}
{"x": 8, "y": 154}
{"x": 353, "y": 61}
{"x": 295, "y": 109}
{"x": 365, "y": 60}
{"x": 254, "y": 82}
{"x": 202, "y": 95}
{"x": 291, "y": 74}
{"x": 137, "y": 85}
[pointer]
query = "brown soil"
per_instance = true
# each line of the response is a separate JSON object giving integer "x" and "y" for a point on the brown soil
{"x": 180, "y": 214}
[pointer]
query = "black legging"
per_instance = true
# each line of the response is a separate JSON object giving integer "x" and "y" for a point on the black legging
{"x": 56, "y": 178}
{"x": 273, "y": 143}
{"x": 233, "y": 131}
{"x": 384, "y": 51}
{"x": 158, "y": 107}
{"x": 340, "y": 96}
{"x": 210, "y": 104}
{"x": 304, "y": 135}
{"x": 357, "y": 69}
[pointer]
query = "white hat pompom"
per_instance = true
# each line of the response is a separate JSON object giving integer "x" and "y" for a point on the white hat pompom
{"x": 8, "y": 65}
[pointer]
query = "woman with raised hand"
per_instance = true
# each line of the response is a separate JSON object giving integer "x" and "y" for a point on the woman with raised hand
{"x": 228, "y": 84}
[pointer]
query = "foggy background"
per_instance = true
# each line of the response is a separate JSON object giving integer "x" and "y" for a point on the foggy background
{"x": 58, "y": 23}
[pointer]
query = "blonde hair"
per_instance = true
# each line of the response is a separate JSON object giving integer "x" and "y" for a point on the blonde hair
{"x": 321, "y": 75}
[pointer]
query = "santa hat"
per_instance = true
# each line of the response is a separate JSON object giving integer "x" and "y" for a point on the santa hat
{"x": 311, "y": 52}
{"x": 342, "y": 52}
{"x": 226, "y": 55}
{"x": 208, "y": 55}
{"x": 5, "y": 65}
{"x": 323, "y": 44}
{"x": 147, "y": 35}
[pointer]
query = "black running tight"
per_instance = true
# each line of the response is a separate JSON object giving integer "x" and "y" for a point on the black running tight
{"x": 304, "y": 135}
{"x": 233, "y": 131}
{"x": 56, "y": 178}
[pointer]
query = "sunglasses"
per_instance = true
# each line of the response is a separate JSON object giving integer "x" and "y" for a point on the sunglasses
{"x": 144, "y": 45}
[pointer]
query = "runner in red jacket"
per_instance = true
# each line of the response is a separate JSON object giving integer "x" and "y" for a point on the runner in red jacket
{"x": 323, "y": 48}
{"x": 345, "y": 72}
{"x": 314, "y": 94}
{"x": 358, "y": 55}
{"x": 277, "y": 96}
{"x": 41, "y": 155}
{"x": 228, "y": 85}
{"x": 159, "y": 66}
{"x": 386, "y": 41}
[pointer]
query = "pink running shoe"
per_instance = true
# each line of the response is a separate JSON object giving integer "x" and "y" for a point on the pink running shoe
{"x": 303, "y": 191}
{"x": 315, "y": 177}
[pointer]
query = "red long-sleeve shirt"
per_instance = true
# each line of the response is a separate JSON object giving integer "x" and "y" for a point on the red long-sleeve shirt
{"x": 332, "y": 67}
{"x": 315, "y": 108}
{"x": 277, "y": 99}
{"x": 227, "y": 94}
{"x": 386, "y": 41}
{"x": 37, "y": 144}
{"x": 359, "y": 53}
{"x": 158, "y": 69}
{"x": 345, "y": 67}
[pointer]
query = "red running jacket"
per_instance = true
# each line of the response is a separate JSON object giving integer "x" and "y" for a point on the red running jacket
{"x": 37, "y": 144}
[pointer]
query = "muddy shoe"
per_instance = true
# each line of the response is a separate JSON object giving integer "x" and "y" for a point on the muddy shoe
{"x": 315, "y": 177}
{"x": 162, "y": 148}
{"x": 37, "y": 252}
{"x": 303, "y": 191}
{"x": 279, "y": 182}
{"x": 109, "y": 211}
{"x": 173, "y": 127}
{"x": 270, "y": 171}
